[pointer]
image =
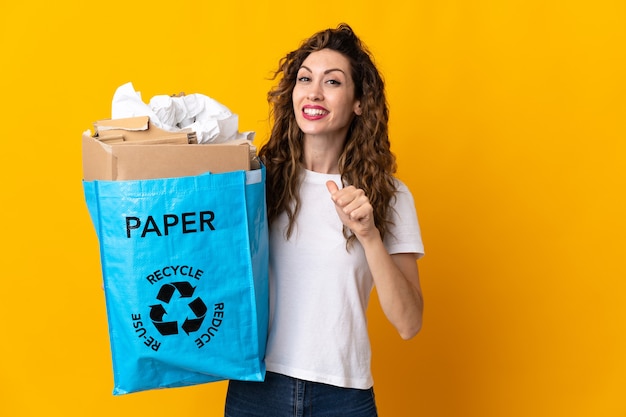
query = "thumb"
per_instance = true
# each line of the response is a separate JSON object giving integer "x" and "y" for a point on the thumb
{"x": 332, "y": 187}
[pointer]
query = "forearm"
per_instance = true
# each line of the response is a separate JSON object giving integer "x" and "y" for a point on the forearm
{"x": 396, "y": 278}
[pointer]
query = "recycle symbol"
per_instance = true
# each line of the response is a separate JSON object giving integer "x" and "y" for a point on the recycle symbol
{"x": 196, "y": 307}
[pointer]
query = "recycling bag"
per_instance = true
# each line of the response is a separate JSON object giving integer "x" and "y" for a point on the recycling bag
{"x": 185, "y": 271}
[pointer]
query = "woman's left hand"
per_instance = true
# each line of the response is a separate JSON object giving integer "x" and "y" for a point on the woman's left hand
{"x": 354, "y": 209}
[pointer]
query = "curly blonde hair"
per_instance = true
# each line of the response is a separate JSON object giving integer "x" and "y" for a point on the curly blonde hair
{"x": 366, "y": 160}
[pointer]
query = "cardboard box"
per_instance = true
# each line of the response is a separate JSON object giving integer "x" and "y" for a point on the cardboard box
{"x": 136, "y": 160}
{"x": 139, "y": 129}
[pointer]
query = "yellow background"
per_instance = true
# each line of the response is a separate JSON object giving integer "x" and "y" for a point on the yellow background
{"x": 508, "y": 120}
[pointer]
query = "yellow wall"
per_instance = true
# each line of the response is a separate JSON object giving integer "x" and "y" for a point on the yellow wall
{"x": 508, "y": 120}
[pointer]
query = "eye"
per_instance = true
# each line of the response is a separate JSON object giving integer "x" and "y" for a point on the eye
{"x": 333, "y": 82}
{"x": 303, "y": 79}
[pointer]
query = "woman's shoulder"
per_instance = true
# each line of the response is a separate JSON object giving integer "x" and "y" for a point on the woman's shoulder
{"x": 400, "y": 186}
{"x": 403, "y": 197}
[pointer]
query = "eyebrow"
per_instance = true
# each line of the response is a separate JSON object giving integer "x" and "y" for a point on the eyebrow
{"x": 325, "y": 72}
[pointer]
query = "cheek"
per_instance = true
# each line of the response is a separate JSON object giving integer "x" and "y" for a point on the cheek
{"x": 297, "y": 93}
{"x": 296, "y": 100}
{"x": 348, "y": 109}
{"x": 296, "y": 110}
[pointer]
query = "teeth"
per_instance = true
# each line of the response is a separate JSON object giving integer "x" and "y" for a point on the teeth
{"x": 314, "y": 112}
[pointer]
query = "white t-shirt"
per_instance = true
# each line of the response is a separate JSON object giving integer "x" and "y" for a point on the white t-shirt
{"x": 319, "y": 292}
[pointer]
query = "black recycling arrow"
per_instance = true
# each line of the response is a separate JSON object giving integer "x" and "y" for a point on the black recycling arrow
{"x": 199, "y": 309}
{"x": 165, "y": 293}
{"x": 157, "y": 312}
{"x": 184, "y": 288}
{"x": 192, "y": 325}
{"x": 166, "y": 328}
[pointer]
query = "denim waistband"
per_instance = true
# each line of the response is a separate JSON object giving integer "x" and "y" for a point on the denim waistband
{"x": 285, "y": 396}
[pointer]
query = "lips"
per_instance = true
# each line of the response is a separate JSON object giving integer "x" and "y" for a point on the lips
{"x": 314, "y": 112}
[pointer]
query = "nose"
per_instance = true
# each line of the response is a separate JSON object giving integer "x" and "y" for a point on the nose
{"x": 315, "y": 92}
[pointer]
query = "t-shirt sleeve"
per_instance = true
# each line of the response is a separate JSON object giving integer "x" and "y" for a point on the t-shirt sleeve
{"x": 404, "y": 235}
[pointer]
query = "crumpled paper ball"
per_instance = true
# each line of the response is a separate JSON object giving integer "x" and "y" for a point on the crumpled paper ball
{"x": 213, "y": 122}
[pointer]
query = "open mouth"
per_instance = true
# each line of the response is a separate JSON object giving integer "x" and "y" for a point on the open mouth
{"x": 314, "y": 112}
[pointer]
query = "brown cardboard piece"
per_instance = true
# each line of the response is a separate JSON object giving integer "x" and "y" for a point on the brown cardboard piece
{"x": 139, "y": 129}
{"x": 143, "y": 159}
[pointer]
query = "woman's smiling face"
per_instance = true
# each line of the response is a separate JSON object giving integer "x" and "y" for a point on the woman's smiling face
{"x": 323, "y": 97}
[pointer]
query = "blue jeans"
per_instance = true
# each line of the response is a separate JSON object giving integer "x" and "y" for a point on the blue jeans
{"x": 284, "y": 396}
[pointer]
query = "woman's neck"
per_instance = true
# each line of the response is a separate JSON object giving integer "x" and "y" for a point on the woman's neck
{"x": 321, "y": 154}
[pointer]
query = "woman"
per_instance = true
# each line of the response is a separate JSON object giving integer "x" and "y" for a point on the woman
{"x": 340, "y": 225}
